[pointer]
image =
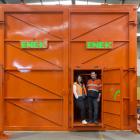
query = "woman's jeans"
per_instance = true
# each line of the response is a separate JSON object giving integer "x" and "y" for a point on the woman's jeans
{"x": 81, "y": 105}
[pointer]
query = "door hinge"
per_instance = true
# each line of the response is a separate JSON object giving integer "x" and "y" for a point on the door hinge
{"x": 132, "y": 22}
{"x": 132, "y": 69}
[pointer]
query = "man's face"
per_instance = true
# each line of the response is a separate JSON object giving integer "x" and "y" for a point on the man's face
{"x": 93, "y": 75}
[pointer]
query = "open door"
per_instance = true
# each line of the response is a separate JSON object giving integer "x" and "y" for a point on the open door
{"x": 112, "y": 98}
{"x": 117, "y": 100}
{"x": 75, "y": 112}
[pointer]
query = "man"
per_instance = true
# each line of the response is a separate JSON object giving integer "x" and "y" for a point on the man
{"x": 93, "y": 87}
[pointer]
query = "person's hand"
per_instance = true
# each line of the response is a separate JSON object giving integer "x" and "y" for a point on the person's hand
{"x": 98, "y": 99}
{"x": 85, "y": 96}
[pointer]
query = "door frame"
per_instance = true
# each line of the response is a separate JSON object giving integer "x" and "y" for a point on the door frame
{"x": 71, "y": 115}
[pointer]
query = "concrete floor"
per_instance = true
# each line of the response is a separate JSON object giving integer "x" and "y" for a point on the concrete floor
{"x": 53, "y": 135}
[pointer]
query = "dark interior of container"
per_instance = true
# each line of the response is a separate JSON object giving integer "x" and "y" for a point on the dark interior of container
{"x": 85, "y": 76}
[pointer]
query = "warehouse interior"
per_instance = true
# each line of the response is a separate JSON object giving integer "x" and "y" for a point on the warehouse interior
{"x": 109, "y": 135}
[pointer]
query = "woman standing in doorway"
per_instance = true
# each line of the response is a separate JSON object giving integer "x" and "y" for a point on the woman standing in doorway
{"x": 80, "y": 92}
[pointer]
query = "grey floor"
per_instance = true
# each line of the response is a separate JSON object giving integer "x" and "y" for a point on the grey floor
{"x": 53, "y": 135}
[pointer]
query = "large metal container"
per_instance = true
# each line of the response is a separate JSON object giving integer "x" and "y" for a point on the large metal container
{"x": 36, "y": 83}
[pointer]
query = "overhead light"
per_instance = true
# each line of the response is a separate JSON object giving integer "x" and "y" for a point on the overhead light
{"x": 78, "y": 2}
{"x": 65, "y": 2}
{"x": 138, "y": 34}
{"x": 45, "y": 3}
{"x": 138, "y": 9}
{"x": 37, "y": 3}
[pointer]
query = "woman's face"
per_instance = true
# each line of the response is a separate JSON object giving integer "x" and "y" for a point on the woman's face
{"x": 79, "y": 79}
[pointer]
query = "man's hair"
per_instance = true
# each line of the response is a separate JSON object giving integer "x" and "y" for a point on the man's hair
{"x": 93, "y": 72}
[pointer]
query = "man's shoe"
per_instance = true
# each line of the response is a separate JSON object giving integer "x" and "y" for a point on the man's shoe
{"x": 96, "y": 122}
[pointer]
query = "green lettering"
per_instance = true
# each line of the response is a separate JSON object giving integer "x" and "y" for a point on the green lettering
{"x": 108, "y": 44}
{"x": 23, "y": 44}
{"x": 28, "y": 44}
{"x": 89, "y": 44}
{"x": 94, "y": 44}
{"x": 40, "y": 44}
{"x": 45, "y": 44}
{"x": 100, "y": 45}
{"x": 33, "y": 44}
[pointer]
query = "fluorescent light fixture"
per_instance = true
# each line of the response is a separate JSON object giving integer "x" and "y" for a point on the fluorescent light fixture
{"x": 37, "y": 3}
{"x": 45, "y": 3}
{"x": 63, "y": 2}
{"x": 66, "y": 2}
{"x": 138, "y": 9}
{"x": 78, "y": 2}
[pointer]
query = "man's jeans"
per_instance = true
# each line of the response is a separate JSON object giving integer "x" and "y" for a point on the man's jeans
{"x": 93, "y": 105}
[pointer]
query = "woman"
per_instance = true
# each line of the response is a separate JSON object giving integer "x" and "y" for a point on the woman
{"x": 79, "y": 92}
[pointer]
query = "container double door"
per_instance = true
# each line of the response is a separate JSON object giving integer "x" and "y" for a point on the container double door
{"x": 35, "y": 78}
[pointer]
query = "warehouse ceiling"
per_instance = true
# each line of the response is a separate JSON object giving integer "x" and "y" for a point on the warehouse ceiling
{"x": 69, "y": 1}
{"x": 76, "y": 2}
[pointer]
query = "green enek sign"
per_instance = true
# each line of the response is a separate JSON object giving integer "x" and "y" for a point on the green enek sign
{"x": 33, "y": 44}
{"x": 99, "y": 45}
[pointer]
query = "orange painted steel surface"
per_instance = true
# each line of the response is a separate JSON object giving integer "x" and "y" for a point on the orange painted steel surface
{"x": 35, "y": 84}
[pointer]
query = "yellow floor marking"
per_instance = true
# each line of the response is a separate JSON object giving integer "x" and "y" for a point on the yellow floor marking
{"x": 101, "y": 136}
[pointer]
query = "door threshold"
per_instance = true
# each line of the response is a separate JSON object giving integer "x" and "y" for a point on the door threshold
{"x": 87, "y": 125}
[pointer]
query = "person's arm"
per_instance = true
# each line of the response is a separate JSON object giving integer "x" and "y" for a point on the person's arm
{"x": 85, "y": 91}
{"x": 99, "y": 86}
{"x": 75, "y": 92}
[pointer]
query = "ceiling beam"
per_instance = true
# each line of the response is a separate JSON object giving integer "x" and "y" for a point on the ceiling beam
{"x": 41, "y": 2}
{"x": 138, "y": 3}
{"x": 22, "y": 1}
{"x": 3, "y": 1}
{"x": 73, "y": 2}
{"x": 123, "y": 1}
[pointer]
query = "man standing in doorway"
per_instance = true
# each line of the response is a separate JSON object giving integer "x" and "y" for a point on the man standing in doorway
{"x": 93, "y": 87}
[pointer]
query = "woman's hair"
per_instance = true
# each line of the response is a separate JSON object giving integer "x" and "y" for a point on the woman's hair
{"x": 77, "y": 79}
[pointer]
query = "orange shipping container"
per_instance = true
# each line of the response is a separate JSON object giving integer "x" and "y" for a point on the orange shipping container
{"x": 43, "y": 48}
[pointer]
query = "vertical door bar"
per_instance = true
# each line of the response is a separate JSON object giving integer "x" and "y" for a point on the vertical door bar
{"x": 1, "y": 72}
{"x": 65, "y": 59}
{"x": 132, "y": 69}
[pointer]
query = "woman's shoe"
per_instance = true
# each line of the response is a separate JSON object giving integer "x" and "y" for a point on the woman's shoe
{"x": 84, "y": 122}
